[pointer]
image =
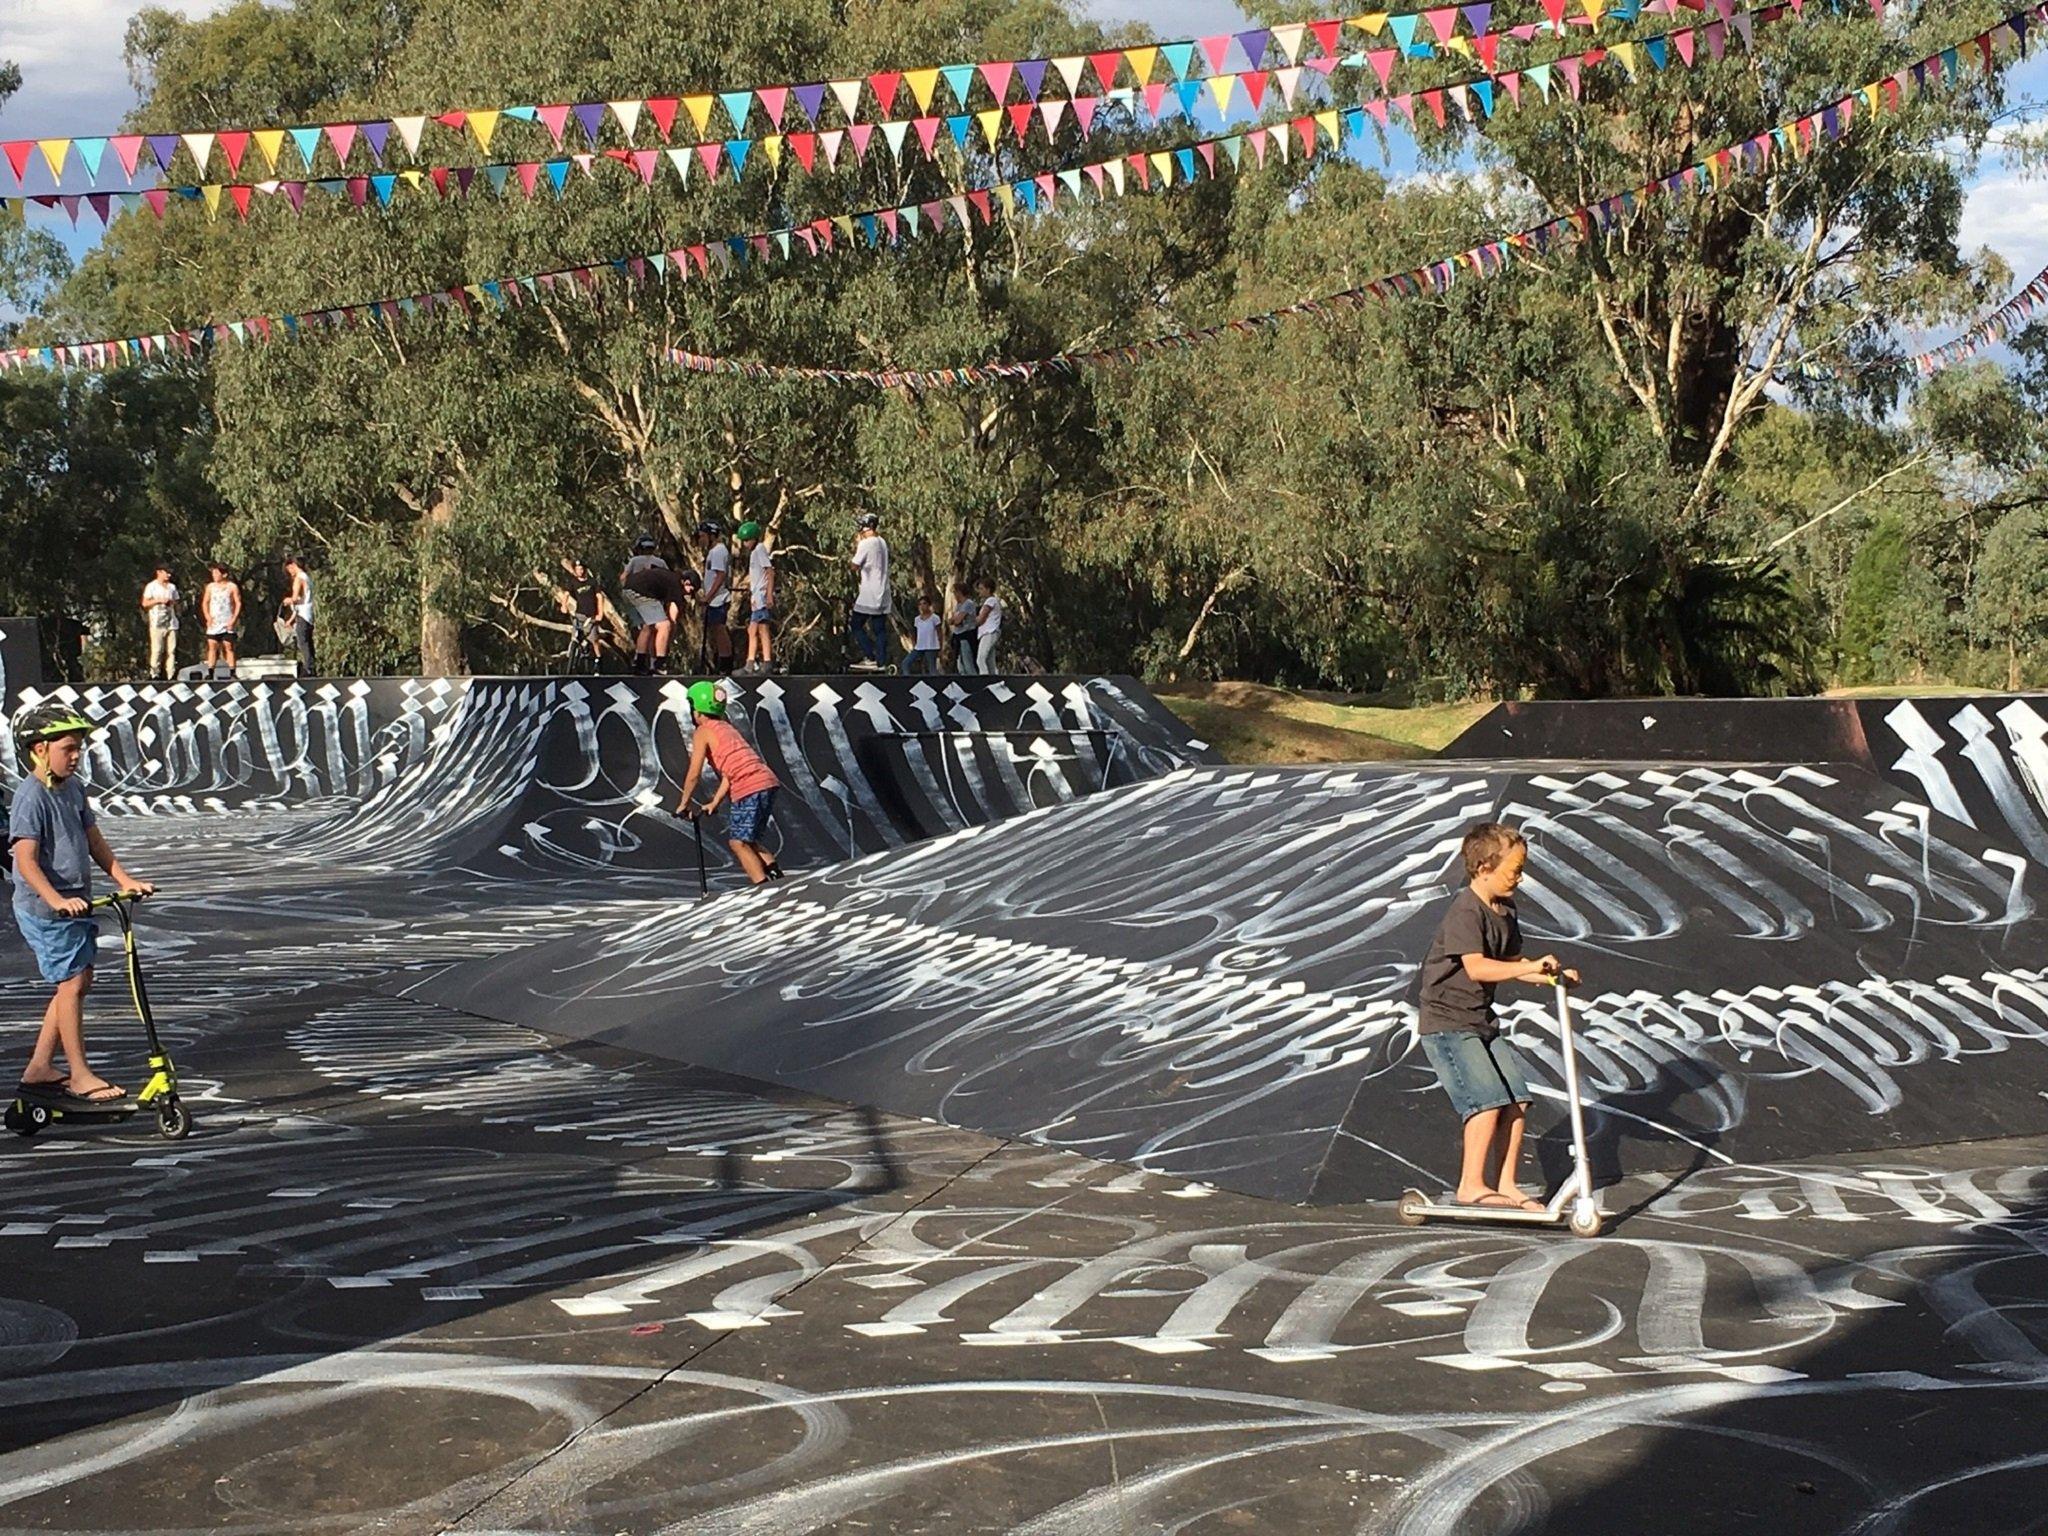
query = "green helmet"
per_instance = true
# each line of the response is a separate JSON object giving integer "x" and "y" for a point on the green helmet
{"x": 47, "y": 722}
{"x": 750, "y": 529}
{"x": 705, "y": 699}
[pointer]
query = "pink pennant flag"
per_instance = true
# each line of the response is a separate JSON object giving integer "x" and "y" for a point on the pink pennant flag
{"x": 1215, "y": 50}
{"x": 860, "y": 133}
{"x": 709, "y": 155}
{"x": 529, "y": 176}
{"x": 646, "y": 162}
{"x": 829, "y": 141}
{"x": 774, "y": 100}
{"x": 998, "y": 77}
{"x": 1052, "y": 109}
{"x": 927, "y": 132}
{"x": 1382, "y": 61}
{"x": 343, "y": 137}
{"x": 1084, "y": 113}
{"x": 127, "y": 147}
{"x": 1682, "y": 40}
{"x": 1443, "y": 22}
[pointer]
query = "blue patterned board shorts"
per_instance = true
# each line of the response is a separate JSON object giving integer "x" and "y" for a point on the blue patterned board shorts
{"x": 749, "y": 817}
{"x": 63, "y": 946}
{"x": 1479, "y": 1074}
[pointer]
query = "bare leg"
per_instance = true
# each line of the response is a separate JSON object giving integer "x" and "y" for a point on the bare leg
{"x": 1479, "y": 1133}
{"x": 64, "y": 1026}
{"x": 1508, "y": 1145}
{"x": 227, "y": 648}
{"x": 750, "y": 860}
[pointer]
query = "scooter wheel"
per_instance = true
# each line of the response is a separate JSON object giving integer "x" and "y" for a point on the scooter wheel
{"x": 1410, "y": 1210}
{"x": 1585, "y": 1222}
{"x": 174, "y": 1121}
{"x": 18, "y": 1121}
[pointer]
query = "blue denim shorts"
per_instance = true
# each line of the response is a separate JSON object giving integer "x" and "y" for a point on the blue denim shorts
{"x": 63, "y": 946}
{"x": 1479, "y": 1074}
{"x": 749, "y": 817}
{"x": 762, "y": 616}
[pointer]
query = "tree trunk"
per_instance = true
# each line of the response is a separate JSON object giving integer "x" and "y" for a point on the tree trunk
{"x": 440, "y": 626}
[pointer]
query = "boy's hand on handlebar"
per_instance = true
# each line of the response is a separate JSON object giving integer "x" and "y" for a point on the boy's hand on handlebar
{"x": 689, "y": 810}
{"x": 71, "y": 906}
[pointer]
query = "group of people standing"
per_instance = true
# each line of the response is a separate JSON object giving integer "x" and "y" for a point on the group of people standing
{"x": 220, "y": 611}
{"x": 973, "y": 621}
{"x": 656, "y": 595}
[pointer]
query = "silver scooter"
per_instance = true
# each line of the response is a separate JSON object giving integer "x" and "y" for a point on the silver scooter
{"x": 1574, "y": 1205}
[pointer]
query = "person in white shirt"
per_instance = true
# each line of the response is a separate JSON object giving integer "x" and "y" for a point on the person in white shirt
{"x": 160, "y": 608}
{"x": 652, "y": 592}
{"x": 716, "y": 595}
{"x": 300, "y": 602}
{"x": 923, "y": 653}
{"x": 871, "y": 602}
{"x": 220, "y": 606}
{"x": 988, "y": 627}
{"x": 760, "y": 599}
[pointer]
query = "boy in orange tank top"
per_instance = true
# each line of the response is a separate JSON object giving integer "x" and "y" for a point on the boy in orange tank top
{"x": 743, "y": 778}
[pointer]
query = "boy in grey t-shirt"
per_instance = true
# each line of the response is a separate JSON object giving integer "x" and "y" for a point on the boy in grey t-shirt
{"x": 54, "y": 840}
{"x": 1477, "y": 946}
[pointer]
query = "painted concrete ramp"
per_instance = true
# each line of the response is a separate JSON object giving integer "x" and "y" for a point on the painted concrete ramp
{"x": 1210, "y": 974}
{"x": 525, "y": 778}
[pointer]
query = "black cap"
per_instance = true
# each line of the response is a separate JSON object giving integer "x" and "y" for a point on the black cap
{"x": 645, "y": 541}
{"x": 711, "y": 525}
{"x": 868, "y": 520}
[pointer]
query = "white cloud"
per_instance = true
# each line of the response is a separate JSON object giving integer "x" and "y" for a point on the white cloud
{"x": 73, "y": 79}
{"x": 2009, "y": 213}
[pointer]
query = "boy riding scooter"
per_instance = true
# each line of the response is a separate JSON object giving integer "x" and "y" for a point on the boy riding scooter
{"x": 54, "y": 839}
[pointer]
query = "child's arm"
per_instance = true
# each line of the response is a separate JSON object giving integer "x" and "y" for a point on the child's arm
{"x": 1519, "y": 968}
{"x": 103, "y": 856}
{"x": 699, "y": 750}
{"x": 28, "y": 869}
{"x": 234, "y": 605}
{"x": 718, "y": 799}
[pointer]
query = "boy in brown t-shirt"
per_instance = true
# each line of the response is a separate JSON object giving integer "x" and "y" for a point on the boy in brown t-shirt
{"x": 1477, "y": 946}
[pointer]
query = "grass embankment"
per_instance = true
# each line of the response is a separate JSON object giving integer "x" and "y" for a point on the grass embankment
{"x": 1251, "y": 723}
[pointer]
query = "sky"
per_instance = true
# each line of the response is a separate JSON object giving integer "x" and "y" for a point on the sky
{"x": 74, "y": 83}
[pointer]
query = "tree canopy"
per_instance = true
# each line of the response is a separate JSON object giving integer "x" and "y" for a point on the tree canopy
{"x": 1597, "y": 472}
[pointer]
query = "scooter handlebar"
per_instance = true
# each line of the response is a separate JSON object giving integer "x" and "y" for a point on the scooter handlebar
{"x": 101, "y": 903}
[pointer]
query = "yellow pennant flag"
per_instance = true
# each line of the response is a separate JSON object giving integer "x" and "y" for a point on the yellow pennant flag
{"x": 1594, "y": 10}
{"x": 1374, "y": 22}
{"x": 1008, "y": 195}
{"x": 1327, "y": 121}
{"x": 1220, "y": 87}
{"x": 922, "y": 83}
{"x": 211, "y": 192}
{"x": 483, "y": 125}
{"x": 1461, "y": 45}
{"x": 270, "y": 141}
{"x": 772, "y": 148}
{"x": 1162, "y": 166}
{"x": 699, "y": 108}
{"x": 413, "y": 179}
{"x": 54, "y": 151}
{"x": 1626, "y": 52}
{"x": 1141, "y": 63}
{"x": 1874, "y": 94}
{"x": 991, "y": 123}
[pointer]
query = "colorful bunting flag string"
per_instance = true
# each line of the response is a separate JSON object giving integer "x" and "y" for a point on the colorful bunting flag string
{"x": 889, "y": 226}
{"x": 1478, "y": 98}
{"x": 2015, "y": 314}
{"x": 1751, "y": 156}
{"x": 871, "y": 100}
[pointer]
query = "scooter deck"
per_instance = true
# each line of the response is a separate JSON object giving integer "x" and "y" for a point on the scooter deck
{"x": 1448, "y": 1209}
{"x": 54, "y": 1096}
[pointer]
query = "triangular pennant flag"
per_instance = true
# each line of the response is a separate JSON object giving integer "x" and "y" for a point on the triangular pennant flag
{"x": 709, "y": 155}
{"x": 1221, "y": 87}
{"x": 1382, "y": 60}
{"x": 1020, "y": 114}
{"x": 342, "y": 137}
{"x": 805, "y": 147}
{"x": 1252, "y": 44}
{"x": 1141, "y": 61}
{"x": 774, "y": 101}
{"x": 200, "y": 145}
{"x": 1051, "y": 111}
{"x": 927, "y": 133}
{"x": 959, "y": 80}
{"x": 679, "y": 157}
{"x": 1031, "y": 75}
{"x": 163, "y": 146}
{"x": 1289, "y": 80}
{"x": 738, "y": 106}
{"x": 859, "y": 134}
{"x": 558, "y": 174}
{"x": 376, "y": 135}
{"x": 483, "y": 125}
{"x": 1070, "y": 72}
{"x": 1084, "y": 113}
{"x": 663, "y": 110}
{"x": 128, "y": 147}
{"x": 1106, "y": 64}
{"x": 922, "y": 83}
{"x": 736, "y": 155}
{"x": 627, "y": 113}
{"x": 884, "y": 85}
{"x": 893, "y": 134}
{"x": 1443, "y": 22}
{"x": 809, "y": 97}
{"x": 991, "y": 125}
{"x": 772, "y": 148}
{"x": 847, "y": 94}
{"x": 90, "y": 152}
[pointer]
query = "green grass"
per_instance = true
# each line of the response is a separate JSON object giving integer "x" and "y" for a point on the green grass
{"x": 1250, "y": 723}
